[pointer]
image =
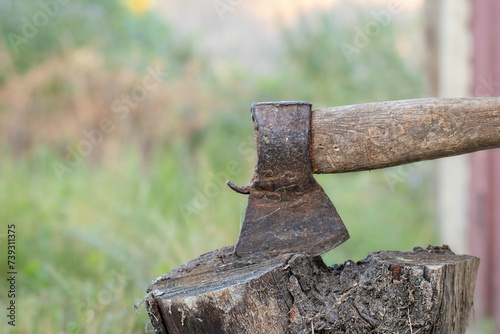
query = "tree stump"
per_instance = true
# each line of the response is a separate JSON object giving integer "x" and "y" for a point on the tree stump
{"x": 422, "y": 291}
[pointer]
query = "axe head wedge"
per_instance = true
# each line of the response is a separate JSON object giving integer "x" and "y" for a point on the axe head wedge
{"x": 288, "y": 211}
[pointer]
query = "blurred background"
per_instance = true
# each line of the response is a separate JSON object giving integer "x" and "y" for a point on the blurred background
{"x": 121, "y": 120}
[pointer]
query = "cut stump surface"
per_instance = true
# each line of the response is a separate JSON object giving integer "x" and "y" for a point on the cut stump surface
{"x": 422, "y": 291}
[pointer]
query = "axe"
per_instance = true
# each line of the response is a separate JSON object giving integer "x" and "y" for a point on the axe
{"x": 289, "y": 212}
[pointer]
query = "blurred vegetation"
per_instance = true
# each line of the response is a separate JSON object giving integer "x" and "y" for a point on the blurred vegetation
{"x": 151, "y": 195}
{"x": 36, "y": 31}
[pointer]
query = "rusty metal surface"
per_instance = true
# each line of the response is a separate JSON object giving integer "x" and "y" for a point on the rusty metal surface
{"x": 287, "y": 211}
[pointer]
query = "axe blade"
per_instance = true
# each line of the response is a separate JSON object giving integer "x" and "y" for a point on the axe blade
{"x": 287, "y": 210}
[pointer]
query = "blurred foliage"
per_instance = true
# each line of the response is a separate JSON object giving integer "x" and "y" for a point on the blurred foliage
{"x": 326, "y": 74}
{"x": 152, "y": 196}
{"x": 37, "y": 30}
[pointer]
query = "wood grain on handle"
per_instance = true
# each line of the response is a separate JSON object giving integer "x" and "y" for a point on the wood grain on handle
{"x": 377, "y": 135}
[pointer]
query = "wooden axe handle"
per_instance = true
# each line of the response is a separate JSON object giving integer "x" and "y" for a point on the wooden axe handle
{"x": 377, "y": 135}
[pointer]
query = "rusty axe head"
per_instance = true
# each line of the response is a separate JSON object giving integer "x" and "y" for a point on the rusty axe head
{"x": 287, "y": 211}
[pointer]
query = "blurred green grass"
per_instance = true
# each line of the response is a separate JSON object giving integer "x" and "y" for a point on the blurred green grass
{"x": 152, "y": 196}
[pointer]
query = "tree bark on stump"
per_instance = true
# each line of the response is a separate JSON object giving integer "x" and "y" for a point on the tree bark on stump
{"x": 422, "y": 291}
